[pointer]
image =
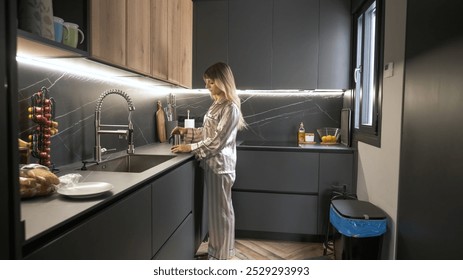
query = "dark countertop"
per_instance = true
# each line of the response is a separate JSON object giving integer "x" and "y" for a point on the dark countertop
{"x": 293, "y": 146}
{"x": 42, "y": 215}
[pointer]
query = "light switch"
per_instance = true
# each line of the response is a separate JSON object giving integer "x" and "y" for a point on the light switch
{"x": 389, "y": 70}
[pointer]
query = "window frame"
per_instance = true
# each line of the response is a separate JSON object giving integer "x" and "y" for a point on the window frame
{"x": 365, "y": 133}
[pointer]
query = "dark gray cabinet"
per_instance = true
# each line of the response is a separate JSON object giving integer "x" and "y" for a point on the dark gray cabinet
{"x": 275, "y": 212}
{"x": 430, "y": 190}
{"x": 181, "y": 245}
{"x": 295, "y": 44}
{"x": 277, "y": 171}
{"x": 287, "y": 192}
{"x": 156, "y": 221}
{"x": 122, "y": 231}
{"x": 10, "y": 225}
{"x": 210, "y": 44}
{"x": 279, "y": 44}
{"x": 335, "y": 46}
{"x": 172, "y": 198}
{"x": 250, "y": 43}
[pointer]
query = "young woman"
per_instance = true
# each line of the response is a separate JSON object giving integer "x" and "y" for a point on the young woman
{"x": 215, "y": 145}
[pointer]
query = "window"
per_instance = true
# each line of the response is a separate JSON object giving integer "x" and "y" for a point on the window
{"x": 367, "y": 93}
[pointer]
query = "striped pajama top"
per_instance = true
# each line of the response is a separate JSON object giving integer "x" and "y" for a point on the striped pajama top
{"x": 215, "y": 142}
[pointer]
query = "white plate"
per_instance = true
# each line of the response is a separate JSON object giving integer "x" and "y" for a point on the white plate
{"x": 86, "y": 189}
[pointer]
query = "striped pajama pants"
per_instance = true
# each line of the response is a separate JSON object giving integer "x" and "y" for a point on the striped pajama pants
{"x": 220, "y": 214}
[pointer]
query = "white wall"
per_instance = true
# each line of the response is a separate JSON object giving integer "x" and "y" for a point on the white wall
{"x": 378, "y": 168}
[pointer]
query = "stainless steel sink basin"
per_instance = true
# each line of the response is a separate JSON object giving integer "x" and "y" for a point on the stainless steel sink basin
{"x": 130, "y": 163}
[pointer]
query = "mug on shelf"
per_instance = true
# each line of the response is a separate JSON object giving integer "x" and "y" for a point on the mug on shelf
{"x": 59, "y": 27}
{"x": 71, "y": 34}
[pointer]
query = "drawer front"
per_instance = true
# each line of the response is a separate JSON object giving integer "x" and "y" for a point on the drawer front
{"x": 277, "y": 171}
{"x": 121, "y": 232}
{"x": 284, "y": 213}
{"x": 172, "y": 198}
{"x": 181, "y": 245}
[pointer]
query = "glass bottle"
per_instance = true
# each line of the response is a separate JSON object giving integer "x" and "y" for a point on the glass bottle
{"x": 301, "y": 134}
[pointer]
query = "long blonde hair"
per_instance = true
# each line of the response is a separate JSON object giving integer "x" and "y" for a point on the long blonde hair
{"x": 223, "y": 78}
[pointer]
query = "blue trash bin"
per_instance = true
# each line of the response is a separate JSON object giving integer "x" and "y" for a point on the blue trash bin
{"x": 359, "y": 229}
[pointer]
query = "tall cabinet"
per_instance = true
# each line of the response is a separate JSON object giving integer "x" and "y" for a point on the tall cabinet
{"x": 429, "y": 206}
{"x": 10, "y": 228}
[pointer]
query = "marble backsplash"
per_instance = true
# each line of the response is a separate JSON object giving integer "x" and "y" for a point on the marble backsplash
{"x": 273, "y": 116}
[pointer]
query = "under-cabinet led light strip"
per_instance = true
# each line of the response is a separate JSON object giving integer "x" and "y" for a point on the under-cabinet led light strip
{"x": 94, "y": 70}
{"x": 275, "y": 93}
{"x": 89, "y": 72}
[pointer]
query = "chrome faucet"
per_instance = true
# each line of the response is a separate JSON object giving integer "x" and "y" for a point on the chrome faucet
{"x": 98, "y": 131}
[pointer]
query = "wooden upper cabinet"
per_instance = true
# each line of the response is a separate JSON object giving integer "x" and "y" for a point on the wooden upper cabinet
{"x": 180, "y": 42}
{"x": 108, "y": 31}
{"x": 159, "y": 45}
{"x": 172, "y": 41}
{"x": 138, "y": 36}
{"x": 152, "y": 37}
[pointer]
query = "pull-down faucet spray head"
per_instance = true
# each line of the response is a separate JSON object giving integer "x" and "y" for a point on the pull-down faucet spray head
{"x": 98, "y": 131}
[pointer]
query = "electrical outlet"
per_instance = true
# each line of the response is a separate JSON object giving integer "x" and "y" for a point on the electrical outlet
{"x": 389, "y": 70}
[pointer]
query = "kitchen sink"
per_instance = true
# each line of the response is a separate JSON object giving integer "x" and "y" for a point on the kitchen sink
{"x": 130, "y": 163}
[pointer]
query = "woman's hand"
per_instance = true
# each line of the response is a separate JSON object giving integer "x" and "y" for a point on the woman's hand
{"x": 178, "y": 130}
{"x": 181, "y": 148}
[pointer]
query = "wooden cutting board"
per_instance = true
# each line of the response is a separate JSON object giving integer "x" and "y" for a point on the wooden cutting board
{"x": 161, "y": 123}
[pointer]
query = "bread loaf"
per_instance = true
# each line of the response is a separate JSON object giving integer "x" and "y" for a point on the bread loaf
{"x": 36, "y": 181}
{"x": 43, "y": 176}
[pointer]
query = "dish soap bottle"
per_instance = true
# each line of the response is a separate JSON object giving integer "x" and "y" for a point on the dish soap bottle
{"x": 301, "y": 134}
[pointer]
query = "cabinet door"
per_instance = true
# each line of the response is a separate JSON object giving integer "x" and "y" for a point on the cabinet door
{"x": 159, "y": 47}
{"x": 11, "y": 235}
{"x": 108, "y": 31}
{"x": 335, "y": 36}
{"x": 295, "y": 44}
{"x": 335, "y": 170}
{"x": 122, "y": 231}
{"x": 172, "y": 198}
{"x": 210, "y": 37}
{"x": 138, "y": 36}
{"x": 277, "y": 171}
{"x": 172, "y": 41}
{"x": 270, "y": 212}
{"x": 180, "y": 42}
{"x": 250, "y": 43}
{"x": 181, "y": 245}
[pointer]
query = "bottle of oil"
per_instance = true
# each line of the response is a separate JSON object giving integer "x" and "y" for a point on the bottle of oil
{"x": 301, "y": 134}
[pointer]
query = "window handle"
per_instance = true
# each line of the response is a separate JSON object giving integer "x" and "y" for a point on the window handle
{"x": 357, "y": 73}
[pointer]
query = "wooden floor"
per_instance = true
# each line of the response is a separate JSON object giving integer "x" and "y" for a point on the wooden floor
{"x": 252, "y": 249}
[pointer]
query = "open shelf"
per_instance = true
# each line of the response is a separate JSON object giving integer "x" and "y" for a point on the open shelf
{"x": 34, "y": 45}
{"x": 30, "y": 44}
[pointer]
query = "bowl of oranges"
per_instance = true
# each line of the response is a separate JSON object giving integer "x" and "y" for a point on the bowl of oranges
{"x": 329, "y": 135}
